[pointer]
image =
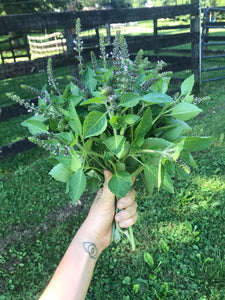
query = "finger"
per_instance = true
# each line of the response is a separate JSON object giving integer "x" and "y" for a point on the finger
{"x": 127, "y": 200}
{"x": 132, "y": 180}
{"x": 129, "y": 222}
{"x": 126, "y": 213}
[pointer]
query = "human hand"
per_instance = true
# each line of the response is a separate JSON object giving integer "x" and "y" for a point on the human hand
{"x": 98, "y": 223}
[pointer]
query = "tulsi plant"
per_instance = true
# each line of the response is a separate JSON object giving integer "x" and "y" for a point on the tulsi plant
{"x": 117, "y": 115}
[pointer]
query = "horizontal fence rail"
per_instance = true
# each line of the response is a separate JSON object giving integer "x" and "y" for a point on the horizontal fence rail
{"x": 38, "y": 21}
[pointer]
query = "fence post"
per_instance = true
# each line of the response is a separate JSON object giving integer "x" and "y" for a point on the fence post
{"x": 69, "y": 39}
{"x": 155, "y": 24}
{"x": 108, "y": 38}
{"x": 195, "y": 31}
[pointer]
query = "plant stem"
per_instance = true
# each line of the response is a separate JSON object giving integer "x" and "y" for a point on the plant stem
{"x": 133, "y": 246}
{"x": 132, "y": 127}
{"x": 129, "y": 234}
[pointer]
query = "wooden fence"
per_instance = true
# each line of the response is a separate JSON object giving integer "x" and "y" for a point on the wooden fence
{"x": 94, "y": 19}
{"x": 47, "y": 45}
{"x": 11, "y": 48}
{"x": 65, "y": 21}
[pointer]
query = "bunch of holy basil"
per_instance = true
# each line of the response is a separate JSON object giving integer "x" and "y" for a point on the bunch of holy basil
{"x": 115, "y": 116}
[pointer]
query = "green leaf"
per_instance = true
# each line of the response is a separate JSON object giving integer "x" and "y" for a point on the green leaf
{"x": 187, "y": 85}
{"x": 136, "y": 287}
{"x": 66, "y": 91}
{"x": 114, "y": 122}
{"x": 74, "y": 89}
{"x": 61, "y": 172}
{"x": 156, "y": 144}
{"x": 77, "y": 185}
{"x": 126, "y": 280}
{"x": 94, "y": 124}
{"x": 66, "y": 137}
{"x": 188, "y": 226}
{"x": 163, "y": 245}
{"x": 75, "y": 99}
{"x": 92, "y": 100}
{"x": 184, "y": 111}
{"x": 180, "y": 128}
{"x": 116, "y": 144}
{"x": 189, "y": 159}
{"x": 149, "y": 259}
{"x": 178, "y": 148}
{"x": 129, "y": 100}
{"x": 144, "y": 126}
{"x": 129, "y": 119}
{"x": 93, "y": 184}
{"x": 75, "y": 161}
{"x": 161, "y": 85}
{"x": 35, "y": 125}
{"x": 195, "y": 143}
{"x": 120, "y": 183}
{"x": 88, "y": 79}
{"x": 188, "y": 99}
{"x": 74, "y": 120}
{"x": 181, "y": 172}
{"x": 167, "y": 183}
{"x": 65, "y": 160}
{"x": 108, "y": 74}
{"x": 151, "y": 177}
{"x": 157, "y": 98}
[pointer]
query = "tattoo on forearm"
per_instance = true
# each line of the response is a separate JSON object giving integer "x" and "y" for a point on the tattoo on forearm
{"x": 91, "y": 249}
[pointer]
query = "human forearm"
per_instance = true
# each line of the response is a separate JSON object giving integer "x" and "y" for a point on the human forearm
{"x": 73, "y": 275}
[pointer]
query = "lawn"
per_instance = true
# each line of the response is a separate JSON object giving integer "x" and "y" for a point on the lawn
{"x": 184, "y": 232}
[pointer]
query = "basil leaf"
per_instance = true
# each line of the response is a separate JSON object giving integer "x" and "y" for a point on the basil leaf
{"x": 61, "y": 172}
{"x": 35, "y": 125}
{"x": 184, "y": 111}
{"x": 120, "y": 183}
{"x": 116, "y": 144}
{"x": 74, "y": 120}
{"x": 195, "y": 143}
{"x": 144, "y": 126}
{"x": 66, "y": 137}
{"x": 92, "y": 100}
{"x": 187, "y": 85}
{"x": 77, "y": 185}
{"x": 88, "y": 79}
{"x": 129, "y": 100}
{"x": 157, "y": 98}
{"x": 94, "y": 124}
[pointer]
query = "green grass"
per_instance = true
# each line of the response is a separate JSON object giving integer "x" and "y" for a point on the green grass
{"x": 36, "y": 80}
{"x": 184, "y": 232}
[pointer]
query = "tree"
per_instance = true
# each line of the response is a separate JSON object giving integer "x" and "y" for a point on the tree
{"x": 120, "y": 3}
{"x": 138, "y": 3}
{"x": 9, "y": 7}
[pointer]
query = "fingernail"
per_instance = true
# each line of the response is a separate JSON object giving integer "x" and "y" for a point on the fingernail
{"x": 118, "y": 218}
{"x": 120, "y": 205}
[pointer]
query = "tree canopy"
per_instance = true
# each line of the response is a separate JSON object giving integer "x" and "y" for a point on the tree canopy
{"x": 8, "y": 7}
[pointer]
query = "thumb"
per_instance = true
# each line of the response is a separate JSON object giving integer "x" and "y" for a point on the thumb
{"x": 108, "y": 175}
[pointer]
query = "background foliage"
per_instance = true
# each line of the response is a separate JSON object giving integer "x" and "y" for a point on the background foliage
{"x": 8, "y": 7}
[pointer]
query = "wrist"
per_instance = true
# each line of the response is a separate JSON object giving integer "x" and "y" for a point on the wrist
{"x": 90, "y": 241}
